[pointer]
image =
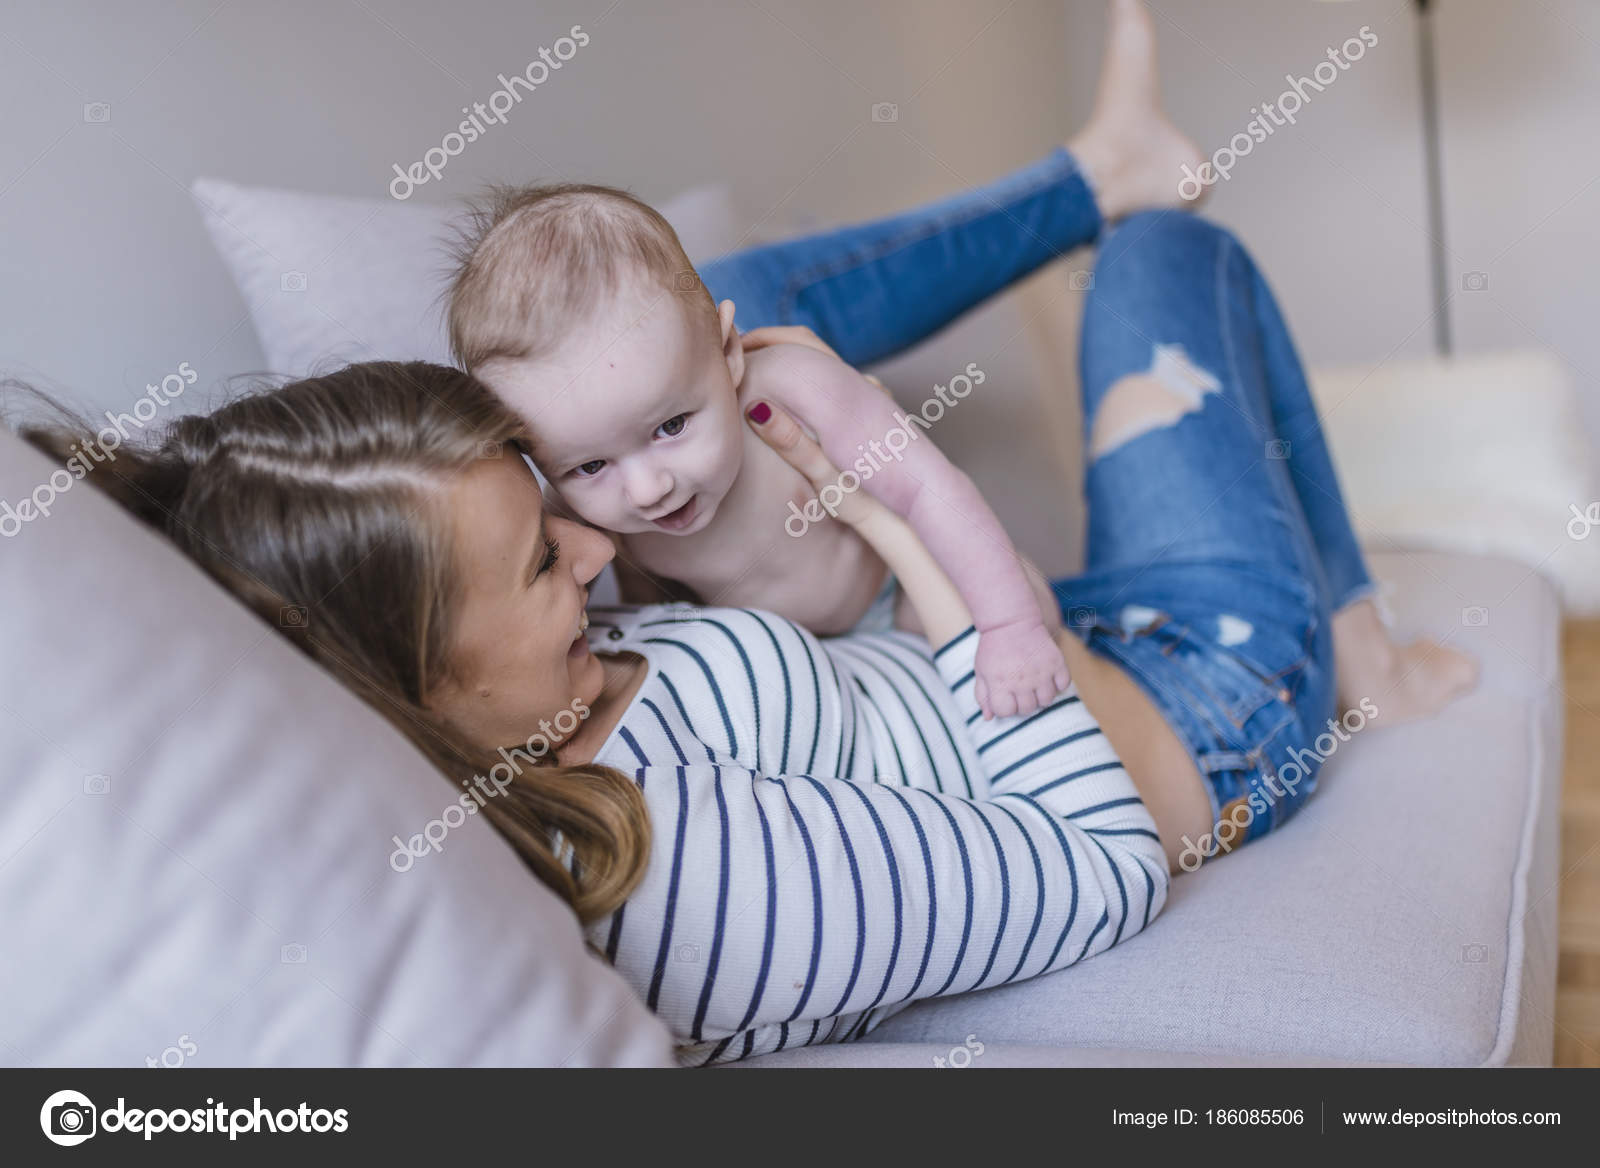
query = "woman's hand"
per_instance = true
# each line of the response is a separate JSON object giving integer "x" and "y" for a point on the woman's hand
{"x": 792, "y": 334}
{"x": 858, "y": 509}
{"x": 943, "y": 613}
{"x": 784, "y": 334}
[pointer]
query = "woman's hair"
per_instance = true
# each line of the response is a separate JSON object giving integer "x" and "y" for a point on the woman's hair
{"x": 319, "y": 504}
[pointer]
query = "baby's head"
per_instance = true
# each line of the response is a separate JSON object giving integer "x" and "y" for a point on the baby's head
{"x": 577, "y": 305}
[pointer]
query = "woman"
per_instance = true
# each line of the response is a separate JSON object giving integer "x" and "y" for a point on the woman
{"x": 781, "y": 840}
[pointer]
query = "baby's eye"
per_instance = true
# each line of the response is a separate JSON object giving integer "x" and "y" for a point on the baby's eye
{"x": 673, "y": 426}
{"x": 589, "y": 469}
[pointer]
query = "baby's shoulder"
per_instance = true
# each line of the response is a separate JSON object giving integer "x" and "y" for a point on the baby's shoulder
{"x": 798, "y": 369}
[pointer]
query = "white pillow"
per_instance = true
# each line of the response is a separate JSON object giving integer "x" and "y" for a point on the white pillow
{"x": 1484, "y": 454}
{"x": 331, "y": 279}
{"x": 196, "y": 841}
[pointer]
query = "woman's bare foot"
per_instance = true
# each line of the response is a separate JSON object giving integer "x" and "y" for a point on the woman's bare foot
{"x": 1405, "y": 682}
{"x": 1133, "y": 154}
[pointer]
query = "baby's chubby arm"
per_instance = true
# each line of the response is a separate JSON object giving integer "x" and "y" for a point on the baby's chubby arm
{"x": 1019, "y": 667}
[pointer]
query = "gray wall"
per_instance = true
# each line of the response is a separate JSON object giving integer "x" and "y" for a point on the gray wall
{"x": 109, "y": 281}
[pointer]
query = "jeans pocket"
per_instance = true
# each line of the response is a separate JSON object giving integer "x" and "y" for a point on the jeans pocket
{"x": 1287, "y": 769}
{"x": 1235, "y": 684}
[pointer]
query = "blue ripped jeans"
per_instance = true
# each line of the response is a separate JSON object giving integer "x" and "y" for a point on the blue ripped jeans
{"x": 1218, "y": 545}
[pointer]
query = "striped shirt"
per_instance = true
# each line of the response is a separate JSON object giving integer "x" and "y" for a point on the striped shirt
{"x": 838, "y": 833}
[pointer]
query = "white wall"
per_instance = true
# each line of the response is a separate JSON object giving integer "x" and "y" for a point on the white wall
{"x": 107, "y": 280}
{"x": 1333, "y": 206}
{"x": 1522, "y": 94}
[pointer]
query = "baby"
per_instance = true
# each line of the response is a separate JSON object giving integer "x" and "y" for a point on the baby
{"x": 577, "y": 305}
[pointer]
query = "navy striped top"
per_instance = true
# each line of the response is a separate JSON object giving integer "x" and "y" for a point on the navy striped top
{"x": 838, "y": 832}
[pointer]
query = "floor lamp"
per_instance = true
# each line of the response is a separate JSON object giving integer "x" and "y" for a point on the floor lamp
{"x": 1429, "y": 70}
{"x": 1428, "y": 76}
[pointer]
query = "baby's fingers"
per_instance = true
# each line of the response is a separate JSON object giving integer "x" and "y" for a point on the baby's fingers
{"x": 1027, "y": 701}
{"x": 1005, "y": 704}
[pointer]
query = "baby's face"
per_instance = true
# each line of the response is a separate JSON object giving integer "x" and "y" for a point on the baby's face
{"x": 635, "y": 420}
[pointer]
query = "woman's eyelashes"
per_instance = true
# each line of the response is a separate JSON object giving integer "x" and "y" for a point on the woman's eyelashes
{"x": 552, "y": 553}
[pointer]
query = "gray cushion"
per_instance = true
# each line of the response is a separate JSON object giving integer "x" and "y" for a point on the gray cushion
{"x": 1406, "y": 915}
{"x": 990, "y": 1056}
{"x": 195, "y": 843}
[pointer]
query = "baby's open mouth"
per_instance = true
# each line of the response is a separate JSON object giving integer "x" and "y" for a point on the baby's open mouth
{"x": 679, "y": 519}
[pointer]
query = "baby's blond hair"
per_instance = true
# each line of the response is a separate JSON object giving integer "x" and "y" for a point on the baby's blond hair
{"x": 534, "y": 260}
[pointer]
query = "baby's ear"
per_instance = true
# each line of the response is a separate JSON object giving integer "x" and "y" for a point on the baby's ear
{"x": 732, "y": 345}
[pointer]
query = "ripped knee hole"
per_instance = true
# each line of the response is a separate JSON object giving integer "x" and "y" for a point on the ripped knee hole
{"x": 1170, "y": 389}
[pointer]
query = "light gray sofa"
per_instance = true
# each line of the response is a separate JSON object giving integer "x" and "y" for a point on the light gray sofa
{"x": 1407, "y": 916}
{"x": 196, "y": 830}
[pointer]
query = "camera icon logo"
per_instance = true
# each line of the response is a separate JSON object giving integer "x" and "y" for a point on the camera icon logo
{"x": 97, "y": 112}
{"x": 686, "y": 952}
{"x": 688, "y": 280}
{"x": 489, "y": 449}
{"x": 1475, "y": 617}
{"x": 1081, "y": 616}
{"x": 97, "y": 784}
{"x": 1278, "y": 448}
{"x": 1081, "y": 280}
{"x": 292, "y": 282}
{"x": 67, "y": 1118}
{"x": 885, "y": 111}
{"x": 292, "y": 955}
{"x": 1474, "y": 954}
{"x": 1475, "y": 282}
{"x": 293, "y": 616}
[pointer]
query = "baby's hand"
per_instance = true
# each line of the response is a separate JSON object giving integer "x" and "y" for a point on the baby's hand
{"x": 1019, "y": 668}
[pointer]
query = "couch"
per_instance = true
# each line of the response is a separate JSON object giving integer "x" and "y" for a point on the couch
{"x": 198, "y": 824}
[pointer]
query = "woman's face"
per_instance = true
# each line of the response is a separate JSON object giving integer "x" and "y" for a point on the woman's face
{"x": 518, "y": 657}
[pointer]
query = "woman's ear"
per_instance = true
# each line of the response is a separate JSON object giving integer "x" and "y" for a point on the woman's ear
{"x": 732, "y": 345}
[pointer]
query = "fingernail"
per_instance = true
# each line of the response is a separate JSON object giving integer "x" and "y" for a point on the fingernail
{"x": 759, "y": 413}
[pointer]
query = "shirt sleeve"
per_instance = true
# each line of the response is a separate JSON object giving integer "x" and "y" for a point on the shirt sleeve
{"x": 791, "y": 907}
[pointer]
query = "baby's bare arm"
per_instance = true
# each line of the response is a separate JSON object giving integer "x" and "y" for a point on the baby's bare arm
{"x": 890, "y": 455}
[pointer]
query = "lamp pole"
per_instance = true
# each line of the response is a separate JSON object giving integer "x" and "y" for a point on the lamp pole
{"x": 1428, "y": 60}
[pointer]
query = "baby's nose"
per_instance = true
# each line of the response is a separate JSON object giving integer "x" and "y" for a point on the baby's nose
{"x": 647, "y": 486}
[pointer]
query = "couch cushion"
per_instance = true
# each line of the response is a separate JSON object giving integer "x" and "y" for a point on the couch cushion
{"x": 195, "y": 843}
{"x": 1406, "y": 915}
{"x": 970, "y": 1052}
